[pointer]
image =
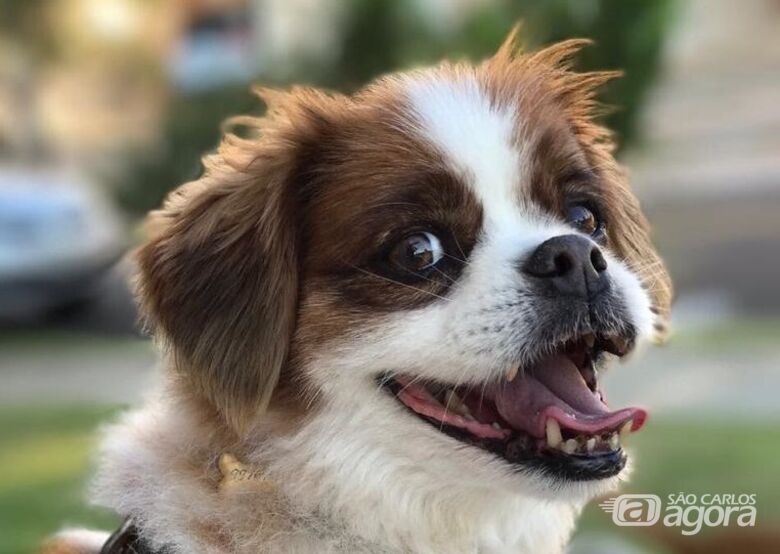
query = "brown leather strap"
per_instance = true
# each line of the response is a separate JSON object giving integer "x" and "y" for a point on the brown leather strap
{"x": 127, "y": 540}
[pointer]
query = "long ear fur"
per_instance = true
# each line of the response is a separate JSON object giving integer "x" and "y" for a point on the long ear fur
{"x": 218, "y": 276}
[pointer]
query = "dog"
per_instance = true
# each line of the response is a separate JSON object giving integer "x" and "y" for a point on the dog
{"x": 383, "y": 318}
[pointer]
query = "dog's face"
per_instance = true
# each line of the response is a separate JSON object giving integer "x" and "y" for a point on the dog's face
{"x": 436, "y": 268}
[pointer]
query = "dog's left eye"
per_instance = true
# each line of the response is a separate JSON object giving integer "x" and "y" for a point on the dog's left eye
{"x": 417, "y": 252}
{"x": 585, "y": 220}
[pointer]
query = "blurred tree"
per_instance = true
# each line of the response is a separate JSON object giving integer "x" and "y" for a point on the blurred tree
{"x": 26, "y": 22}
{"x": 382, "y": 35}
{"x": 192, "y": 130}
{"x": 628, "y": 36}
{"x": 379, "y": 36}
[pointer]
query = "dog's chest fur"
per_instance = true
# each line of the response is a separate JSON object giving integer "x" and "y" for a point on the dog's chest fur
{"x": 155, "y": 466}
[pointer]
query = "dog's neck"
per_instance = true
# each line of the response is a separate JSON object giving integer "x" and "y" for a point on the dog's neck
{"x": 308, "y": 494}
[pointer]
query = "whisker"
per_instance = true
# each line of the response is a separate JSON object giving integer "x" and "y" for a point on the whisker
{"x": 433, "y": 281}
{"x": 394, "y": 204}
{"x": 465, "y": 262}
{"x": 389, "y": 280}
{"x": 462, "y": 253}
{"x": 447, "y": 407}
{"x": 382, "y": 382}
{"x": 450, "y": 279}
{"x": 482, "y": 394}
{"x": 411, "y": 382}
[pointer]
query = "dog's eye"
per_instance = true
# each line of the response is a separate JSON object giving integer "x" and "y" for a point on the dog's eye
{"x": 584, "y": 219}
{"x": 417, "y": 252}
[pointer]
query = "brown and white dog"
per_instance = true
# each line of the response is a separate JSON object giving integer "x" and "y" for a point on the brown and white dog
{"x": 392, "y": 307}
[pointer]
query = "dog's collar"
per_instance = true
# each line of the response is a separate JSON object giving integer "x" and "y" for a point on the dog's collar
{"x": 127, "y": 540}
{"x": 235, "y": 476}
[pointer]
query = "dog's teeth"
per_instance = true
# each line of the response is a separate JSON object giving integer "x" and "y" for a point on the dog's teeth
{"x": 620, "y": 344}
{"x": 511, "y": 373}
{"x": 625, "y": 429}
{"x": 590, "y": 339}
{"x": 553, "y": 431}
{"x": 590, "y": 444}
{"x": 454, "y": 403}
{"x": 613, "y": 441}
{"x": 451, "y": 400}
{"x": 570, "y": 446}
{"x": 495, "y": 426}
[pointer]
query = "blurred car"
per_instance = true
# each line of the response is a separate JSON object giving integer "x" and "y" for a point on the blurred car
{"x": 58, "y": 237}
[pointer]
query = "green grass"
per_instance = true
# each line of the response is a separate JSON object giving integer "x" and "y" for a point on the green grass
{"x": 741, "y": 335}
{"x": 66, "y": 340}
{"x": 702, "y": 457}
{"x": 696, "y": 456}
{"x": 45, "y": 461}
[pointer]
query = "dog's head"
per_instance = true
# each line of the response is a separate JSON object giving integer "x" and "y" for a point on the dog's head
{"x": 435, "y": 267}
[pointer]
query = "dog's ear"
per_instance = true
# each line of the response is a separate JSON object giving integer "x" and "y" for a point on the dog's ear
{"x": 218, "y": 274}
{"x": 631, "y": 237}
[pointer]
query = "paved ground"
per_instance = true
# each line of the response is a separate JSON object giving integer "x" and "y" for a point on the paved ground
{"x": 52, "y": 367}
{"x": 705, "y": 374}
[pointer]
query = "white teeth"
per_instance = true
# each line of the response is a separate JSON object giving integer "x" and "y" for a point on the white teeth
{"x": 570, "y": 446}
{"x": 625, "y": 429}
{"x": 454, "y": 403}
{"x": 511, "y": 373}
{"x": 553, "y": 431}
{"x": 582, "y": 443}
{"x": 621, "y": 344}
{"x": 495, "y": 426}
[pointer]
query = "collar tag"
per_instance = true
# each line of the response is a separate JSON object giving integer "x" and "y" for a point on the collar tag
{"x": 239, "y": 476}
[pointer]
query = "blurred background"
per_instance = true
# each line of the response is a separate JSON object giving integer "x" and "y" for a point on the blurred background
{"x": 107, "y": 105}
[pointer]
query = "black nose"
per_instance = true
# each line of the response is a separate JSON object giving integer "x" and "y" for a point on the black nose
{"x": 572, "y": 265}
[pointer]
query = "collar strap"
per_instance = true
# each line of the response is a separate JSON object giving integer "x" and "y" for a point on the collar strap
{"x": 127, "y": 540}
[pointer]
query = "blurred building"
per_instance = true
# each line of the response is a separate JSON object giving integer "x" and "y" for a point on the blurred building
{"x": 708, "y": 170}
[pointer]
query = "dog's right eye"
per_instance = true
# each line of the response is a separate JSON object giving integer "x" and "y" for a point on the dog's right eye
{"x": 417, "y": 252}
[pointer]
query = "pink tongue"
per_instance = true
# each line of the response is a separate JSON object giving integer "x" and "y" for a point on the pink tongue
{"x": 555, "y": 388}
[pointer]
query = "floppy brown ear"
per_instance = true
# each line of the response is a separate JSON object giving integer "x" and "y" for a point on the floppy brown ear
{"x": 218, "y": 275}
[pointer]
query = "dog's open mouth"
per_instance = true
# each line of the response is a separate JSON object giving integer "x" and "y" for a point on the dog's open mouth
{"x": 551, "y": 415}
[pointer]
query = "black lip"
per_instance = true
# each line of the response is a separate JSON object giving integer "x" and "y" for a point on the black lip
{"x": 523, "y": 453}
{"x": 577, "y": 467}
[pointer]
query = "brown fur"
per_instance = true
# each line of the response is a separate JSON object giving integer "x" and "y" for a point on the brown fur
{"x": 62, "y": 546}
{"x": 218, "y": 277}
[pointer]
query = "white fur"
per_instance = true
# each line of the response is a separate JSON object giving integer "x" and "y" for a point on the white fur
{"x": 81, "y": 541}
{"x": 475, "y": 135}
{"x": 350, "y": 487}
{"x": 362, "y": 475}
